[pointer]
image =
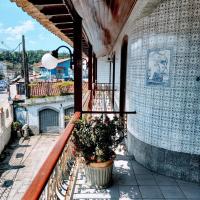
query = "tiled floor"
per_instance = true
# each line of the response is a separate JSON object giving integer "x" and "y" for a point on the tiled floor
{"x": 20, "y": 164}
{"x": 133, "y": 181}
{"x": 130, "y": 179}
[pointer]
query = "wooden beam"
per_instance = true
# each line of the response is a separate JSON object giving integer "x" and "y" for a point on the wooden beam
{"x": 54, "y": 10}
{"x": 65, "y": 25}
{"x": 46, "y": 2}
{"x": 94, "y": 80}
{"x": 71, "y": 9}
{"x": 107, "y": 112}
{"x": 67, "y": 30}
{"x": 90, "y": 68}
{"x": 94, "y": 68}
{"x": 122, "y": 99}
{"x": 64, "y": 18}
{"x": 78, "y": 64}
{"x": 68, "y": 34}
{"x": 40, "y": 7}
{"x": 113, "y": 83}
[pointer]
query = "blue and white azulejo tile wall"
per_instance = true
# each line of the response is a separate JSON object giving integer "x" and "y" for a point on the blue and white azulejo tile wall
{"x": 163, "y": 65}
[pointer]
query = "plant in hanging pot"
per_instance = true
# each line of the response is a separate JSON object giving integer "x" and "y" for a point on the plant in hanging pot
{"x": 95, "y": 140}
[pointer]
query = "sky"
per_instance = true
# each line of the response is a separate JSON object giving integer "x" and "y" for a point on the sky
{"x": 14, "y": 22}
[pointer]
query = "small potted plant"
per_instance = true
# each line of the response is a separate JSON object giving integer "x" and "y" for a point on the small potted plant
{"x": 16, "y": 129}
{"x": 95, "y": 140}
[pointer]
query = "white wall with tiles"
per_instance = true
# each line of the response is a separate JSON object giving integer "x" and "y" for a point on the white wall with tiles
{"x": 163, "y": 65}
{"x": 103, "y": 70}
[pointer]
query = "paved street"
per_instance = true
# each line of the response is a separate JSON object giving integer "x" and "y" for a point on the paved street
{"x": 20, "y": 162}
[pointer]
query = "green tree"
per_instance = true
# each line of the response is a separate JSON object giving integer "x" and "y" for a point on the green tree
{"x": 2, "y": 76}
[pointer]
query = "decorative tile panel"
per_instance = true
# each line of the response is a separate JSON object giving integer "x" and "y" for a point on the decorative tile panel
{"x": 167, "y": 117}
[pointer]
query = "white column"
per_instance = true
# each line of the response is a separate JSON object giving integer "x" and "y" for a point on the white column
{"x": 62, "y": 115}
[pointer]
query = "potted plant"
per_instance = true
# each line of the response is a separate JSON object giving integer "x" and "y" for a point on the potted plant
{"x": 16, "y": 129}
{"x": 95, "y": 140}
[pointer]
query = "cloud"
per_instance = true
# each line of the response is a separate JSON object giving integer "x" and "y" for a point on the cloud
{"x": 15, "y": 33}
{"x": 32, "y": 42}
{"x": 1, "y": 27}
{"x": 41, "y": 36}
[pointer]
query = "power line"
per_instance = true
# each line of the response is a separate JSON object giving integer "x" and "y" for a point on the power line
{"x": 16, "y": 47}
{"x": 11, "y": 51}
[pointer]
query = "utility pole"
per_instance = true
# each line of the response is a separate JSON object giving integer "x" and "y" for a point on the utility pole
{"x": 25, "y": 67}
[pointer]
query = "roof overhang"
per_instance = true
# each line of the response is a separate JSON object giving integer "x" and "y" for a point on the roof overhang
{"x": 103, "y": 20}
{"x": 56, "y": 16}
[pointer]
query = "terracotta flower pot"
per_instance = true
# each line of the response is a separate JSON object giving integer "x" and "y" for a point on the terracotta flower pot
{"x": 99, "y": 174}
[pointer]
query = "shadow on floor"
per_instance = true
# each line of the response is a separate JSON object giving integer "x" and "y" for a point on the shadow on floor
{"x": 8, "y": 154}
{"x": 133, "y": 181}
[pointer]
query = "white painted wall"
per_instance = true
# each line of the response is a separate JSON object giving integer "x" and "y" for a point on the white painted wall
{"x": 103, "y": 70}
{"x": 59, "y": 103}
{"x": 6, "y": 118}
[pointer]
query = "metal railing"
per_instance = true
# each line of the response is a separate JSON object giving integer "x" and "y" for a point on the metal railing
{"x": 55, "y": 177}
{"x": 42, "y": 89}
{"x": 103, "y": 86}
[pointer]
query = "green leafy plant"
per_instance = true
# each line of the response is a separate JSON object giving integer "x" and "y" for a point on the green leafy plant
{"x": 64, "y": 86}
{"x": 16, "y": 126}
{"x": 96, "y": 139}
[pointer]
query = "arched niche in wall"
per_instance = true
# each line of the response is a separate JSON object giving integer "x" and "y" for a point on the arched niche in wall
{"x": 48, "y": 121}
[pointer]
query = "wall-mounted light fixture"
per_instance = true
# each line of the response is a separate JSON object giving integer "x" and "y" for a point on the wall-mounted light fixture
{"x": 50, "y": 60}
{"x": 109, "y": 59}
{"x": 86, "y": 62}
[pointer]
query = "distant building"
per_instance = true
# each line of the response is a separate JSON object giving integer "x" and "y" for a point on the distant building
{"x": 3, "y": 69}
{"x": 62, "y": 71}
{"x": 11, "y": 74}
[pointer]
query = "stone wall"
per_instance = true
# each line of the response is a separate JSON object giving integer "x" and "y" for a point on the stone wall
{"x": 171, "y": 163}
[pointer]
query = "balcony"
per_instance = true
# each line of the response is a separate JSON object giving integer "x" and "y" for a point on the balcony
{"x": 164, "y": 136}
{"x": 62, "y": 174}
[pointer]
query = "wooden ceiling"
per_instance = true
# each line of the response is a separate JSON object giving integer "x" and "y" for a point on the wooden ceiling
{"x": 56, "y": 15}
{"x": 103, "y": 20}
{"x": 61, "y": 14}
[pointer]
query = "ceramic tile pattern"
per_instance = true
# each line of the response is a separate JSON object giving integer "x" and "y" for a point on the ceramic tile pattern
{"x": 167, "y": 116}
{"x": 132, "y": 181}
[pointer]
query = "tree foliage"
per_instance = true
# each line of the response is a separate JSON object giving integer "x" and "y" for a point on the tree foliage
{"x": 33, "y": 56}
{"x": 2, "y": 76}
{"x": 16, "y": 57}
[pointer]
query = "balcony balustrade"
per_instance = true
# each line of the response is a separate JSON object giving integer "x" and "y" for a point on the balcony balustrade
{"x": 44, "y": 89}
{"x": 57, "y": 176}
